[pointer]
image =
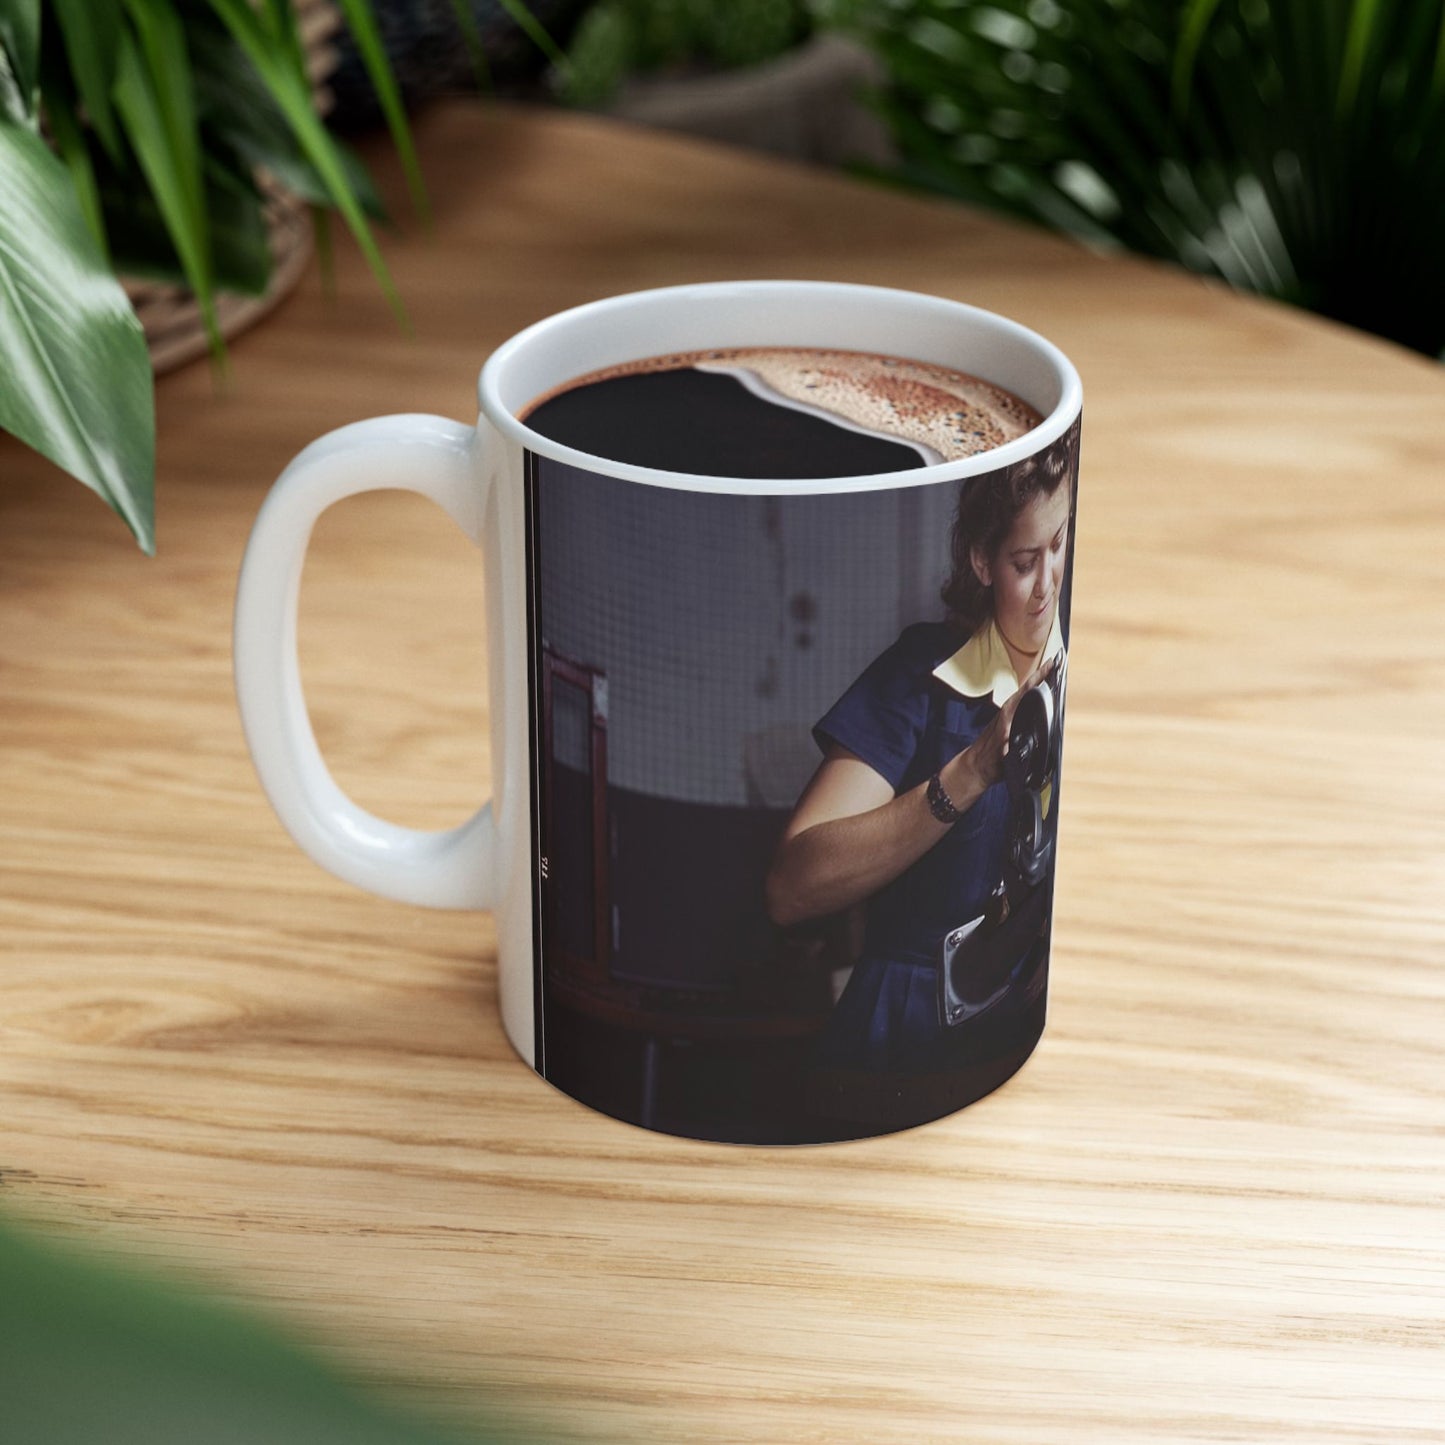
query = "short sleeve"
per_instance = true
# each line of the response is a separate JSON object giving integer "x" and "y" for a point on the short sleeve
{"x": 881, "y": 717}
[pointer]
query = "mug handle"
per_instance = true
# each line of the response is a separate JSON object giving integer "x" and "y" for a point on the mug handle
{"x": 440, "y": 459}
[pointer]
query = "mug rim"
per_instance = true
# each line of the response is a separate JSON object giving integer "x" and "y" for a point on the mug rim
{"x": 1058, "y": 420}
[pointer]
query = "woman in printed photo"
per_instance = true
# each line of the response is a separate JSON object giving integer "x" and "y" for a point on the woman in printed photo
{"x": 908, "y": 812}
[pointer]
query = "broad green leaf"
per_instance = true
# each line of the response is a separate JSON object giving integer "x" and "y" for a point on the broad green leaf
{"x": 91, "y": 30}
{"x": 75, "y": 376}
{"x": 294, "y": 100}
{"x": 20, "y": 40}
{"x": 362, "y": 25}
{"x": 155, "y": 121}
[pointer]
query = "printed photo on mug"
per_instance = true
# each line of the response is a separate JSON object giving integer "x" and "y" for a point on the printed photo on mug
{"x": 796, "y": 776}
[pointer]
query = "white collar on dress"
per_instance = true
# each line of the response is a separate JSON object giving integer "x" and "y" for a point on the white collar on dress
{"x": 982, "y": 667}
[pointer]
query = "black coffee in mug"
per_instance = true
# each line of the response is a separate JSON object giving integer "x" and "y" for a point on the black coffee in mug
{"x": 780, "y": 412}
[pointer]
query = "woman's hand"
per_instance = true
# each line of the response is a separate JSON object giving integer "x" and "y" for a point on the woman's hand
{"x": 849, "y": 834}
{"x": 984, "y": 757}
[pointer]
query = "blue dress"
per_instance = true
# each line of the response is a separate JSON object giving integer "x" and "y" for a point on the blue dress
{"x": 906, "y": 724}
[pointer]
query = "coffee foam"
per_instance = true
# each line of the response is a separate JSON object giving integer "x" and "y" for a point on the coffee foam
{"x": 944, "y": 414}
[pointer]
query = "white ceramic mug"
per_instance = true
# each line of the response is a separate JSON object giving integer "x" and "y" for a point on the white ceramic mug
{"x": 614, "y": 1028}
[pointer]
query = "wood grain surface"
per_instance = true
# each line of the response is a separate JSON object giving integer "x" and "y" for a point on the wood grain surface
{"x": 1211, "y": 1207}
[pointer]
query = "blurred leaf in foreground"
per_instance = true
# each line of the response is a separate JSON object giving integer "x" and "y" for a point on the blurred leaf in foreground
{"x": 94, "y": 1353}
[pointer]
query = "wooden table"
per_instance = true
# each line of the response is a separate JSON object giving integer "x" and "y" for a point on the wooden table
{"x": 1210, "y": 1208}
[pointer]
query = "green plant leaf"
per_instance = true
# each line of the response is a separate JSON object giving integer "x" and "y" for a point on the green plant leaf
{"x": 373, "y": 55}
{"x": 154, "y": 103}
{"x": 281, "y": 15}
{"x": 241, "y": 246}
{"x": 13, "y": 105}
{"x": 91, "y": 30}
{"x": 293, "y": 98}
{"x": 71, "y": 140}
{"x": 602, "y": 50}
{"x": 1195, "y": 21}
{"x": 163, "y": 44}
{"x": 745, "y": 32}
{"x": 279, "y": 156}
{"x": 235, "y": 106}
{"x": 239, "y": 111}
{"x": 142, "y": 245}
{"x": 534, "y": 30}
{"x": 1364, "y": 21}
{"x": 75, "y": 376}
{"x": 472, "y": 39}
{"x": 20, "y": 40}
{"x": 95, "y": 1352}
{"x": 1437, "y": 78}
{"x": 73, "y": 151}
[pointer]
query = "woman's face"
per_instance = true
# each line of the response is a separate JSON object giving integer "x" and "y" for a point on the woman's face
{"x": 1026, "y": 572}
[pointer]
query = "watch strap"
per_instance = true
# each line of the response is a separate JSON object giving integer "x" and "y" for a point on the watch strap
{"x": 939, "y": 803}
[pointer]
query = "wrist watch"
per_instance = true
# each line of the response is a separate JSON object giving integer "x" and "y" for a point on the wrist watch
{"x": 939, "y": 803}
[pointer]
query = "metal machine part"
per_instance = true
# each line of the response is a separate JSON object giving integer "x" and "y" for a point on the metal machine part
{"x": 981, "y": 964}
{"x": 1005, "y": 948}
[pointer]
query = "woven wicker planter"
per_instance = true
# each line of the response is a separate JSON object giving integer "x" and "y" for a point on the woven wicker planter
{"x": 168, "y": 313}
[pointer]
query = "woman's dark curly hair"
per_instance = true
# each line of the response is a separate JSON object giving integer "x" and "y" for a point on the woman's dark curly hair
{"x": 987, "y": 507}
